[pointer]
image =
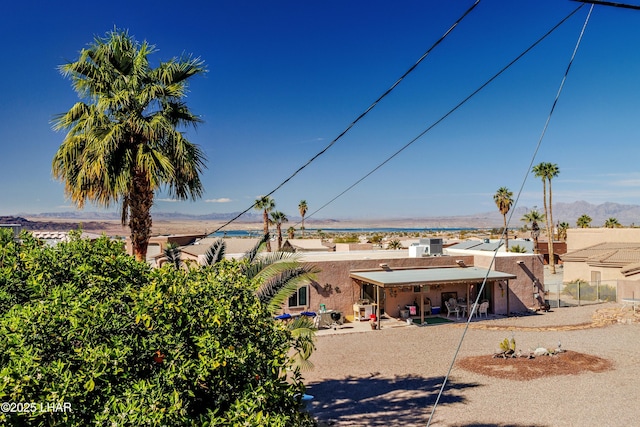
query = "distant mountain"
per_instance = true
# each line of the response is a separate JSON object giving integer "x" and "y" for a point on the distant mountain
{"x": 562, "y": 212}
{"x": 570, "y": 212}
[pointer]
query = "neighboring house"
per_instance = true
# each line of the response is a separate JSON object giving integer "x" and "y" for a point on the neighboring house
{"x": 395, "y": 280}
{"x": 604, "y": 255}
{"x": 305, "y": 245}
{"x": 54, "y": 237}
{"x": 157, "y": 244}
{"x": 559, "y": 249}
{"x": 514, "y": 282}
{"x": 195, "y": 252}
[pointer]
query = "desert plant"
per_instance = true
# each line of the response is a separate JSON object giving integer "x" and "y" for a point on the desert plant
{"x": 394, "y": 244}
{"x": 518, "y": 249}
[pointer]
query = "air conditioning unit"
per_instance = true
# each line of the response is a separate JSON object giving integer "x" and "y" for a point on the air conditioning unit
{"x": 418, "y": 251}
{"x": 433, "y": 246}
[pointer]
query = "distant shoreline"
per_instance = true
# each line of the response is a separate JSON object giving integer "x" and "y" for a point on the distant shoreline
{"x": 164, "y": 227}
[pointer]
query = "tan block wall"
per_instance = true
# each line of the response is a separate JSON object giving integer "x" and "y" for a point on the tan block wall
{"x": 530, "y": 280}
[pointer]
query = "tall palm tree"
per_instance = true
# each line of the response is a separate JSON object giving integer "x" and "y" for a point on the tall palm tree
{"x": 125, "y": 137}
{"x": 302, "y": 208}
{"x": 278, "y": 218}
{"x": 562, "y": 231}
{"x": 265, "y": 204}
{"x": 584, "y": 221}
{"x": 548, "y": 171}
{"x": 533, "y": 218}
{"x": 612, "y": 223}
{"x": 504, "y": 200}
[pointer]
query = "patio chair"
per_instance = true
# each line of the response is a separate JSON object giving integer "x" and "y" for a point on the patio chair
{"x": 452, "y": 308}
{"x": 474, "y": 310}
{"x": 484, "y": 309}
{"x": 427, "y": 306}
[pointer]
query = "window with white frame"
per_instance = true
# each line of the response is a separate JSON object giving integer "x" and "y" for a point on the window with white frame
{"x": 300, "y": 298}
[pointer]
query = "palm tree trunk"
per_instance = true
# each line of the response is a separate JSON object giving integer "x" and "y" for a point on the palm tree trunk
{"x": 265, "y": 218}
{"x": 552, "y": 258}
{"x": 140, "y": 202}
{"x": 506, "y": 233}
{"x": 279, "y": 237}
{"x": 546, "y": 209}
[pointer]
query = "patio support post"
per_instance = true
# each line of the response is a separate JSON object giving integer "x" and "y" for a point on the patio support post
{"x": 378, "y": 306}
{"x": 421, "y": 304}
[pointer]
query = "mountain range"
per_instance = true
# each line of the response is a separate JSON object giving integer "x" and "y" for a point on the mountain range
{"x": 626, "y": 215}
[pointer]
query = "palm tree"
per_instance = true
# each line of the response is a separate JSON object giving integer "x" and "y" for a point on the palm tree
{"x": 562, "y": 231}
{"x": 291, "y": 232}
{"x": 612, "y": 223}
{"x": 394, "y": 244}
{"x": 584, "y": 221}
{"x": 518, "y": 249}
{"x": 125, "y": 138}
{"x": 533, "y": 217}
{"x": 504, "y": 200}
{"x": 265, "y": 204}
{"x": 278, "y": 218}
{"x": 174, "y": 255}
{"x": 302, "y": 208}
{"x": 548, "y": 171}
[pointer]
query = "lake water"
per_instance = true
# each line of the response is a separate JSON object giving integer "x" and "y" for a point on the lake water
{"x": 312, "y": 231}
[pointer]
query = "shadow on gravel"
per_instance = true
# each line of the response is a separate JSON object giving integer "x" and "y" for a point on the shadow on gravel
{"x": 376, "y": 401}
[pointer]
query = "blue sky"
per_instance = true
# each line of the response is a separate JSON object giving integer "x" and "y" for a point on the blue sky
{"x": 286, "y": 77}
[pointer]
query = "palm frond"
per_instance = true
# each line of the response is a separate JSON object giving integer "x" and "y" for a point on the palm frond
{"x": 173, "y": 254}
{"x": 276, "y": 290}
{"x": 303, "y": 334}
{"x": 251, "y": 254}
{"x": 216, "y": 252}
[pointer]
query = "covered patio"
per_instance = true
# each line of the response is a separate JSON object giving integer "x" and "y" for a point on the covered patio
{"x": 431, "y": 279}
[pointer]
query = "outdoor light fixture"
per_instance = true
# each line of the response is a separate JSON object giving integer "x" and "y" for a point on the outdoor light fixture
{"x": 520, "y": 262}
{"x": 384, "y": 265}
{"x": 461, "y": 263}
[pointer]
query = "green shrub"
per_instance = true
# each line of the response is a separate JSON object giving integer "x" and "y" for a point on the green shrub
{"x": 124, "y": 345}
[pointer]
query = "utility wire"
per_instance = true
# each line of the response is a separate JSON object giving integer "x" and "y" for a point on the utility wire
{"x": 546, "y": 125}
{"x": 448, "y": 113}
{"x": 361, "y": 116}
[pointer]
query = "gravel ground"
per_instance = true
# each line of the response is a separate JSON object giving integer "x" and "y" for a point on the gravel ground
{"x": 393, "y": 376}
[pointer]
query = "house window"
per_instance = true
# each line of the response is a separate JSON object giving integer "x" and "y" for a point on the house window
{"x": 300, "y": 298}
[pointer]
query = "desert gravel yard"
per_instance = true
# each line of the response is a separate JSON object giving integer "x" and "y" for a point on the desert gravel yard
{"x": 392, "y": 377}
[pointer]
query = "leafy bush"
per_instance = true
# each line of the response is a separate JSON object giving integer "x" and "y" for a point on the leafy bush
{"x": 351, "y": 238}
{"x": 124, "y": 345}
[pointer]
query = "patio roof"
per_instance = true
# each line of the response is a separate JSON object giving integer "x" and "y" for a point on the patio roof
{"x": 428, "y": 276}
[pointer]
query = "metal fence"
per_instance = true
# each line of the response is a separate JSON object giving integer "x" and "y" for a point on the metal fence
{"x": 581, "y": 292}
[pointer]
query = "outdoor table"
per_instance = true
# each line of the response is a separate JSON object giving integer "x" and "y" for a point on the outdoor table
{"x": 633, "y": 301}
{"x": 463, "y": 308}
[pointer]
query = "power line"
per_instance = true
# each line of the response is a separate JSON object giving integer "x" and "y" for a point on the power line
{"x": 610, "y": 3}
{"x": 448, "y": 113}
{"x": 361, "y": 116}
{"x": 482, "y": 286}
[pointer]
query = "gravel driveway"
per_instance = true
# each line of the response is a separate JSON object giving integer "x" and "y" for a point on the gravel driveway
{"x": 392, "y": 377}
